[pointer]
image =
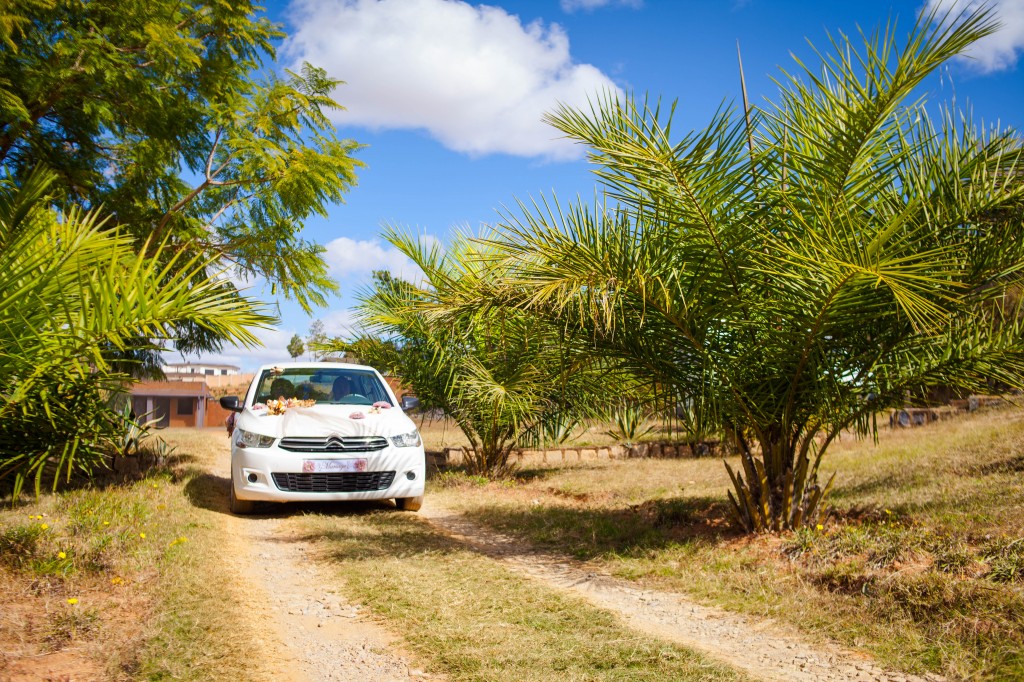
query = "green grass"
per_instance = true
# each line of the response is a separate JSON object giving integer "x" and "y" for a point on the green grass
{"x": 919, "y": 562}
{"x": 473, "y": 619}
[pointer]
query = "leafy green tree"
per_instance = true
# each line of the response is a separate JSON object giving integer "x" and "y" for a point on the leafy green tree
{"x": 791, "y": 275}
{"x": 501, "y": 375}
{"x": 316, "y": 339}
{"x": 296, "y": 347}
{"x": 159, "y": 111}
{"x": 73, "y": 289}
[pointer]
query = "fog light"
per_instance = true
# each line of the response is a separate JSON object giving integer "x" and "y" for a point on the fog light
{"x": 411, "y": 475}
{"x": 253, "y": 478}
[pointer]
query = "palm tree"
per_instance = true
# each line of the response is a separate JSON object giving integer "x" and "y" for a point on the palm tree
{"x": 503, "y": 375}
{"x": 72, "y": 295}
{"x": 790, "y": 271}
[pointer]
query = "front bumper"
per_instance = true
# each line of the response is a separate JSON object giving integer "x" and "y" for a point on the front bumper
{"x": 407, "y": 464}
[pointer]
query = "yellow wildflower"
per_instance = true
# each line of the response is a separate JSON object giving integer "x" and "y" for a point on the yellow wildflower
{"x": 142, "y": 535}
{"x": 106, "y": 523}
{"x": 72, "y": 601}
{"x": 117, "y": 580}
{"x": 62, "y": 555}
{"x": 44, "y": 526}
{"x": 821, "y": 527}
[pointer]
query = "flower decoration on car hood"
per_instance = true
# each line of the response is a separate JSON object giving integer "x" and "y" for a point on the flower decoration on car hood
{"x": 282, "y": 404}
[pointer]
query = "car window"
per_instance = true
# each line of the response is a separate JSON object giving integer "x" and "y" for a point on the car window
{"x": 324, "y": 386}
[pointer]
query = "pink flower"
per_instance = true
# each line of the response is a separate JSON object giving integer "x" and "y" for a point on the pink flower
{"x": 382, "y": 405}
{"x": 357, "y": 415}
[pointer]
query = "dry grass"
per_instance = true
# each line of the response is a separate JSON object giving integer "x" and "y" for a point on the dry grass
{"x": 444, "y": 433}
{"x": 921, "y": 561}
{"x": 119, "y": 581}
{"x": 473, "y": 619}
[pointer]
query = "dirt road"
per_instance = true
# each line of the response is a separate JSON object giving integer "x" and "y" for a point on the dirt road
{"x": 759, "y": 647}
{"x": 317, "y": 634}
{"x": 312, "y": 632}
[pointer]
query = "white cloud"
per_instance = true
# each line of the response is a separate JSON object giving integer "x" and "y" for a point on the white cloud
{"x": 998, "y": 51}
{"x": 349, "y": 257}
{"x": 573, "y": 5}
{"x": 475, "y": 78}
{"x": 341, "y": 323}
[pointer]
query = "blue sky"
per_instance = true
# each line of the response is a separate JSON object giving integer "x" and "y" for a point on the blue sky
{"x": 447, "y": 96}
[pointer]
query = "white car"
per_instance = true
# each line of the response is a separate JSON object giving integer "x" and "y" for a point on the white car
{"x": 320, "y": 431}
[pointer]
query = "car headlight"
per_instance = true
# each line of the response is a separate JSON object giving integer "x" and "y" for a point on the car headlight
{"x": 406, "y": 440}
{"x": 248, "y": 439}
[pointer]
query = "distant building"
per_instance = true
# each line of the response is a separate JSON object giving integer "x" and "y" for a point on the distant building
{"x": 196, "y": 371}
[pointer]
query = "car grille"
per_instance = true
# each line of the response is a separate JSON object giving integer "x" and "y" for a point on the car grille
{"x": 364, "y": 481}
{"x": 334, "y": 444}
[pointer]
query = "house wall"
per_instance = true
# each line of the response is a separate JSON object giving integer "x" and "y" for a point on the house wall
{"x": 179, "y": 419}
{"x": 397, "y": 387}
{"x": 166, "y": 410}
{"x": 215, "y": 414}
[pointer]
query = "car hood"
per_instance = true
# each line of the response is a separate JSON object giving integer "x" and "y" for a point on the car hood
{"x": 327, "y": 420}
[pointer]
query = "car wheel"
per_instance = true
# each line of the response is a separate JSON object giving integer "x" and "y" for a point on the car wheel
{"x": 237, "y": 506}
{"x": 409, "y": 504}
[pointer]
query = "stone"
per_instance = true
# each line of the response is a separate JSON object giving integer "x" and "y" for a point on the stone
{"x": 554, "y": 456}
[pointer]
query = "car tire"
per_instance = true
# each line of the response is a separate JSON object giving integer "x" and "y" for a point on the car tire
{"x": 239, "y": 507}
{"x": 409, "y": 504}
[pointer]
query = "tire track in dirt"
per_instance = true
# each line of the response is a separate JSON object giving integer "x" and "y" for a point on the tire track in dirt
{"x": 311, "y": 631}
{"x": 757, "y": 646}
{"x": 324, "y": 637}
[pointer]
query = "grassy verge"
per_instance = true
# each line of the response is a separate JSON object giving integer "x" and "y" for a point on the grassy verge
{"x": 444, "y": 433}
{"x": 117, "y": 582}
{"x": 920, "y": 562}
{"x": 472, "y": 619}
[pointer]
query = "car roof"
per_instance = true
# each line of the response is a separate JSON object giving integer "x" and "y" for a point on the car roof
{"x": 315, "y": 365}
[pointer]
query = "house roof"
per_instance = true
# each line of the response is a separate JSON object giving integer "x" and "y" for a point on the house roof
{"x": 172, "y": 389}
{"x": 188, "y": 365}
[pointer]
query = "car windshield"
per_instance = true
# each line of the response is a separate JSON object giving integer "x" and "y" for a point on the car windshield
{"x": 325, "y": 386}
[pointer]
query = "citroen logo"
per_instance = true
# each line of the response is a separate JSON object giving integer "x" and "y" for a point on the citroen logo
{"x": 334, "y": 443}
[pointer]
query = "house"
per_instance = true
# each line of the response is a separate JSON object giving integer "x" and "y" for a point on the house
{"x": 188, "y": 371}
{"x": 172, "y": 403}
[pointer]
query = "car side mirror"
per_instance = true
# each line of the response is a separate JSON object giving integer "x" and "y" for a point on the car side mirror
{"x": 230, "y": 402}
{"x": 410, "y": 402}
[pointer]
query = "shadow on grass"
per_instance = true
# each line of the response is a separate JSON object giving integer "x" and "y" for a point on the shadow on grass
{"x": 103, "y": 477}
{"x": 1012, "y": 465}
{"x": 390, "y": 536}
{"x": 871, "y": 486}
{"x": 577, "y": 532}
{"x": 208, "y": 491}
{"x": 588, "y": 533}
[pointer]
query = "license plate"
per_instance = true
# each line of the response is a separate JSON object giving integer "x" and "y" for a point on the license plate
{"x": 317, "y": 466}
